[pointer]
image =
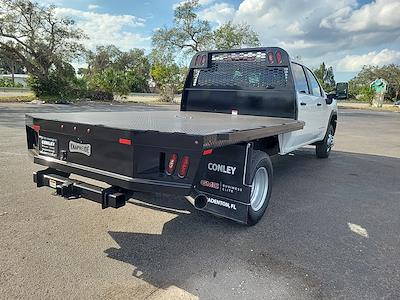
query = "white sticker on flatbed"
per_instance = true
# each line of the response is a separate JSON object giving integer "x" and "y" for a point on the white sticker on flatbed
{"x": 52, "y": 183}
{"x": 80, "y": 148}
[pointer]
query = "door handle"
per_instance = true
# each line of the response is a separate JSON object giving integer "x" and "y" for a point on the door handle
{"x": 319, "y": 104}
{"x": 303, "y": 104}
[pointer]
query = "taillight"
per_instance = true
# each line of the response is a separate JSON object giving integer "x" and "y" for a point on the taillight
{"x": 207, "y": 151}
{"x": 198, "y": 60}
{"x": 278, "y": 56}
{"x": 270, "y": 57}
{"x": 172, "y": 164}
{"x": 36, "y": 127}
{"x": 124, "y": 141}
{"x": 201, "y": 60}
{"x": 184, "y": 167}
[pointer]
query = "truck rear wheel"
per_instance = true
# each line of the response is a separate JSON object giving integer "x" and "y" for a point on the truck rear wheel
{"x": 261, "y": 186}
{"x": 324, "y": 147}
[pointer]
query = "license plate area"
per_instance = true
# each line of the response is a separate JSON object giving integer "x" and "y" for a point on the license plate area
{"x": 48, "y": 146}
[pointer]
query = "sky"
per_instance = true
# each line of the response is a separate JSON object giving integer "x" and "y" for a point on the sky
{"x": 345, "y": 34}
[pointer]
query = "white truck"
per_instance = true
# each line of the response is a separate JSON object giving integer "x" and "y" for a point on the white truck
{"x": 238, "y": 108}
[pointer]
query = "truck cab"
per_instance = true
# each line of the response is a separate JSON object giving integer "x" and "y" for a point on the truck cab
{"x": 317, "y": 109}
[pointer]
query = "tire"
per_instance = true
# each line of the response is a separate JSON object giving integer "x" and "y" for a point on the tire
{"x": 324, "y": 147}
{"x": 260, "y": 170}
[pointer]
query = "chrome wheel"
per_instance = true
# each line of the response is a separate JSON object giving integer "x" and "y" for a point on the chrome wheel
{"x": 259, "y": 189}
{"x": 330, "y": 141}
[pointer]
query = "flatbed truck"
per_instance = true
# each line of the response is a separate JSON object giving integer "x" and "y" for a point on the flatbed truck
{"x": 238, "y": 108}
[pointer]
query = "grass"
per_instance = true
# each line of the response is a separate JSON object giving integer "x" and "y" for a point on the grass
{"x": 25, "y": 98}
{"x": 365, "y": 105}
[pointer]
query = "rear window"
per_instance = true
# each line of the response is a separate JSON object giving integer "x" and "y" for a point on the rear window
{"x": 253, "y": 73}
{"x": 314, "y": 85}
{"x": 300, "y": 79}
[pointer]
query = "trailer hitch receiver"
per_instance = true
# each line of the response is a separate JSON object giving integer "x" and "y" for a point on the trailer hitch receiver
{"x": 66, "y": 189}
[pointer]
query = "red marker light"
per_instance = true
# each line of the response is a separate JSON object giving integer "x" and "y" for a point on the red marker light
{"x": 125, "y": 141}
{"x": 203, "y": 60}
{"x": 208, "y": 152}
{"x": 278, "y": 56}
{"x": 270, "y": 57}
{"x": 198, "y": 60}
{"x": 172, "y": 164}
{"x": 36, "y": 127}
{"x": 184, "y": 167}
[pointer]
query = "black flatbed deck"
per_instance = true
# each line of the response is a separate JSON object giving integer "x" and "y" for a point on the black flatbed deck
{"x": 218, "y": 129}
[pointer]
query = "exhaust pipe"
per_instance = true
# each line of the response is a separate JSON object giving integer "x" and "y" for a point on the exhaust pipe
{"x": 199, "y": 201}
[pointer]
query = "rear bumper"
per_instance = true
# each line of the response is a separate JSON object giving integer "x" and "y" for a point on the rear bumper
{"x": 128, "y": 183}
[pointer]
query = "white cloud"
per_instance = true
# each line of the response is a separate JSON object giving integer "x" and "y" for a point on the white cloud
{"x": 93, "y": 6}
{"x": 201, "y": 2}
{"x": 50, "y": 2}
{"x": 219, "y": 13}
{"x": 294, "y": 29}
{"x": 105, "y": 29}
{"x": 317, "y": 30}
{"x": 378, "y": 15}
{"x": 356, "y": 62}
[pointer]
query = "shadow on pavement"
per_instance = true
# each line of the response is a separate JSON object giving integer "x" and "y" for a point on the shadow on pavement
{"x": 302, "y": 248}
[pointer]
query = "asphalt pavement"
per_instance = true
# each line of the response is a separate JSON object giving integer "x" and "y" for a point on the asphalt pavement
{"x": 331, "y": 230}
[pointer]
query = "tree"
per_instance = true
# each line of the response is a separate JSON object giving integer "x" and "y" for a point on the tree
{"x": 191, "y": 34}
{"x": 101, "y": 59}
{"x": 110, "y": 81}
{"x": 230, "y": 36}
{"x": 188, "y": 33}
{"x": 134, "y": 64}
{"x": 391, "y": 73}
{"x": 41, "y": 40}
{"x": 326, "y": 77}
{"x": 167, "y": 75}
{"x": 10, "y": 64}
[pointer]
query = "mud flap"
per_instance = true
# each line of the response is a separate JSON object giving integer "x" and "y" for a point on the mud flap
{"x": 222, "y": 178}
{"x": 226, "y": 208}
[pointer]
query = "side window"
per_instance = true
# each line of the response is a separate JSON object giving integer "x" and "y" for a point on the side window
{"x": 300, "y": 79}
{"x": 314, "y": 85}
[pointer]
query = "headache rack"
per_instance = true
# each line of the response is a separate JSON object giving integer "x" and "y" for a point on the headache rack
{"x": 254, "y": 81}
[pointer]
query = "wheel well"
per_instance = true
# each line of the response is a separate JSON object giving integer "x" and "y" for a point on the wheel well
{"x": 269, "y": 145}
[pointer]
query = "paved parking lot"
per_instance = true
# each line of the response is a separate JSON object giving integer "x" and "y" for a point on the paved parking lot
{"x": 331, "y": 230}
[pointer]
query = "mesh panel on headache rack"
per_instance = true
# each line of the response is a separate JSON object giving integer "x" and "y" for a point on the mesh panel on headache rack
{"x": 241, "y": 71}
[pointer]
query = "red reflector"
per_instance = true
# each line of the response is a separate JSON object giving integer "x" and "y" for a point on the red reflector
{"x": 36, "y": 127}
{"x": 198, "y": 60}
{"x": 270, "y": 57}
{"x": 172, "y": 164}
{"x": 208, "y": 152}
{"x": 184, "y": 167}
{"x": 203, "y": 60}
{"x": 278, "y": 56}
{"x": 125, "y": 141}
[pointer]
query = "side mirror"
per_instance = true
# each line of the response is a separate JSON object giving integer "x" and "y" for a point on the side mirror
{"x": 330, "y": 97}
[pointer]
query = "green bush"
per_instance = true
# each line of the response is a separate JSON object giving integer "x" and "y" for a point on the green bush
{"x": 365, "y": 94}
{"x": 60, "y": 83}
{"x": 110, "y": 81}
{"x": 5, "y": 82}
